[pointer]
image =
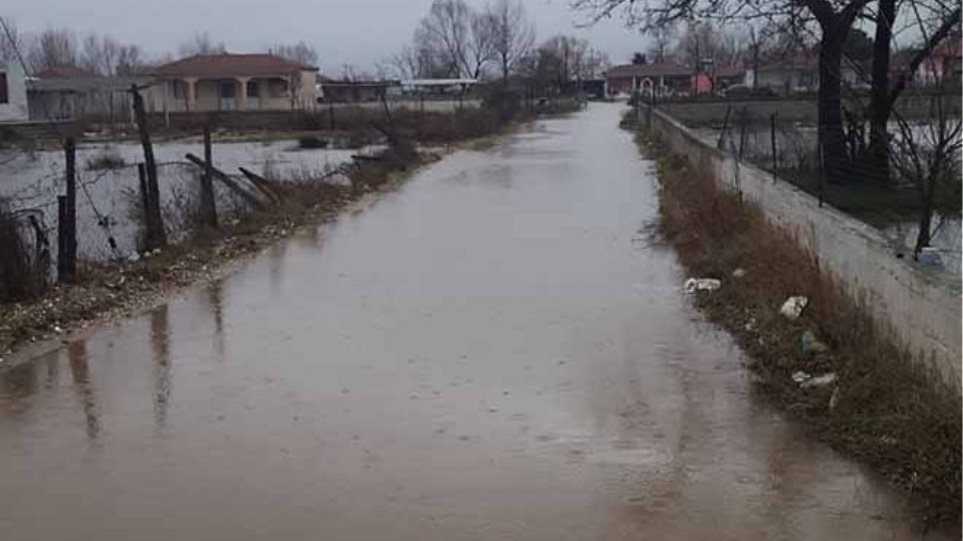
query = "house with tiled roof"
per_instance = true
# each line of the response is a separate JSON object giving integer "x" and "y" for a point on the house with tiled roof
{"x": 663, "y": 78}
{"x": 232, "y": 82}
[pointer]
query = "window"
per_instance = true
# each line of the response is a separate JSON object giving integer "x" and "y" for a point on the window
{"x": 178, "y": 89}
{"x": 252, "y": 89}
{"x": 4, "y": 94}
{"x": 227, "y": 89}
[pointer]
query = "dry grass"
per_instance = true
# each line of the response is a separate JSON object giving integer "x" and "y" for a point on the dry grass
{"x": 889, "y": 410}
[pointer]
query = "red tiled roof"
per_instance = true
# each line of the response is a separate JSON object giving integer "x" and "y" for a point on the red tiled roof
{"x": 230, "y": 65}
{"x": 648, "y": 70}
{"x": 64, "y": 72}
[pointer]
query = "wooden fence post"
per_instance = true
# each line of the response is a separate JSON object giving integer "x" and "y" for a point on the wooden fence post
{"x": 208, "y": 205}
{"x": 64, "y": 274}
{"x": 67, "y": 217}
{"x": 156, "y": 236}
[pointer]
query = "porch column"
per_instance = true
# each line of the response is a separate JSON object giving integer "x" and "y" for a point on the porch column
{"x": 190, "y": 92}
{"x": 242, "y": 93}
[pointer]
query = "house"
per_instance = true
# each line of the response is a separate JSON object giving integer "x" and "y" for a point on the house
{"x": 944, "y": 65}
{"x": 662, "y": 78}
{"x": 232, "y": 82}
{"x": 355, "y": 91}
{"x": 67, "y": 93}
{"x": 13, "y": 94}
{"x": 801, "y": 74}
{"x": 727, "y": 76}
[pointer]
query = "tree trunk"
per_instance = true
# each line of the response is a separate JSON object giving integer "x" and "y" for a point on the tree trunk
{"x": 832, "y": 140}
{"x": 877, "y": 157}
{"x": 926, "y": 215}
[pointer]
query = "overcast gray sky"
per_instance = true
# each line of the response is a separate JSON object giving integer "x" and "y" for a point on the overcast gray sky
{"x": 359, "y": 32}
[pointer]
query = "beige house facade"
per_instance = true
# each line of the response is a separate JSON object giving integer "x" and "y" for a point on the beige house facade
{"x": 232, "y": 82}
{"x": 13, "y": 94}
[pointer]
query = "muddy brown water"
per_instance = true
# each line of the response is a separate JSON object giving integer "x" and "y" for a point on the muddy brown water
{"x": 493, "y": 351}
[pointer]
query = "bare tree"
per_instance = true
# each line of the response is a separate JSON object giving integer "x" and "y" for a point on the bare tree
{"x": 514, "y": 35}
{"x": 201, "y": 43}
{"x": 129, "y": 60}
{"x": 299, "y": 52}
{"x": 940, "y": 22}
{"x": 53, "y": 48}
{"x": 756, "y": 42}
{"x": 481, "y": 46}
{"x": 596, "y": 64}
{"x": 927, "y": 154}
{"x": 446, "y": 31}
{"x": 703, "y": 41}
{"x": 663, "y": 37}
{"x": 11, "y": 41}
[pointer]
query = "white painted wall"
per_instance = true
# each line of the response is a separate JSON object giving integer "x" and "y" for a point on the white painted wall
{"x": 921, "y": 306}
{"x": 15, "y": 110}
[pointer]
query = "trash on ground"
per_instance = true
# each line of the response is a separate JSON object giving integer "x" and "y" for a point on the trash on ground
{"x": 739, "y": 273}
{"x": 793, "y": 307}
{"x": 819, "y": 381}
{"x": 801, "y": 377}
{"x": 702, "y": 284}
{"x": 930, "y": 257}
{"x": 811, "y": 345}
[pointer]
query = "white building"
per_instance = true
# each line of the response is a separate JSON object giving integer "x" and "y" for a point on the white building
{"x": 13, "y": 94}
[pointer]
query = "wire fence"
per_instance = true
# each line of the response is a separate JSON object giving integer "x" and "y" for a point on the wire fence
{"x": 918, "y": 181}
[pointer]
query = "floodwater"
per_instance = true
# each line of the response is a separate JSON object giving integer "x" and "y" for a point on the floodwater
{"x": 493, "y": 351}
{"x": 33, "y": 180}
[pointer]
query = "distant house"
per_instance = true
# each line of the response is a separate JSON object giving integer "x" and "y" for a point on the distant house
{"x": 355, "y": 91}
{"x": 232, "y": 82}
{"x": 729, "y": 75}
{"x": 67, "y": 93}
{"x": 944, "y": 65}
{"x": 800, "y": 74}
{"x": 13, "y": 94}
{"x": 663, "y": 79}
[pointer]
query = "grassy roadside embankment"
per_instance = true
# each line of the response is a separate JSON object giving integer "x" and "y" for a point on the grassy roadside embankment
{"x": 883, "y": 408}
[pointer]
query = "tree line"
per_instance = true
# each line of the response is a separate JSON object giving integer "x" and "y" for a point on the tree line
{"x": 104, "y": 55}
{"x": 925, "y": 24}
{"x": 456, "y": 40}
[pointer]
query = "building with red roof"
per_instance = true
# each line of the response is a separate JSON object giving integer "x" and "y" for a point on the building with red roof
{"x": 232, "y": 82}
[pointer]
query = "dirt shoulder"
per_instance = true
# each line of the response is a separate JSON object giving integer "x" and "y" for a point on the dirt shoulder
{"x": 832, "y": 367}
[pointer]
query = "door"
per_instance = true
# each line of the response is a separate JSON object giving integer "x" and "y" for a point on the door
{"x": 227, "y": 90}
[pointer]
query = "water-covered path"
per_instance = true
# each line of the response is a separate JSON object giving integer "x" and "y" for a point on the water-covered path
{"x": 493, "y": 351}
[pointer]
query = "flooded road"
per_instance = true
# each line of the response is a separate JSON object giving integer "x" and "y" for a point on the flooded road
{"x": 493, "y": 351}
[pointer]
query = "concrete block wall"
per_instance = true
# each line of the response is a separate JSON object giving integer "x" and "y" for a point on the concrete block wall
{"x": 922, "y": 306}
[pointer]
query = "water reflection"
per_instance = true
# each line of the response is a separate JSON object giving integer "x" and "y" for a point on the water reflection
{"x": 80, "y": 370}
{"x": 215, "y": 300}
{"x": 160, "y": 347}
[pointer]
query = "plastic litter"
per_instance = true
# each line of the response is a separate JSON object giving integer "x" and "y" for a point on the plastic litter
{"x": 793, "y": 307}
{"x": 702, "y": 284}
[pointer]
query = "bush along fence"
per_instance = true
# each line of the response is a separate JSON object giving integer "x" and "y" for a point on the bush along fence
{"x": 919, "y": 306}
